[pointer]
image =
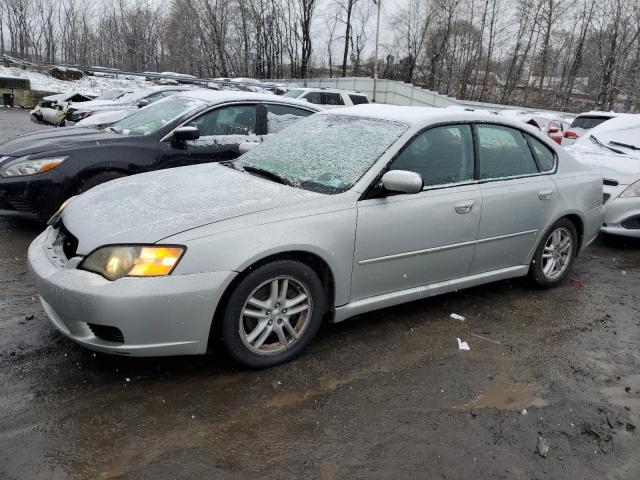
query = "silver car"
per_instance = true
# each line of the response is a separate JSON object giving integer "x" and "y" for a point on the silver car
{"x": 613, "y": 147}
{"x": 343, "y": 212}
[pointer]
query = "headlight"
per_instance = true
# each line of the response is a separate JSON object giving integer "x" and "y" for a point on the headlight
{"x": 119, "y": 261}
{"x": 56, "y": 216}
{"x": 30, "y": 166}
{"x": 632, "y": 190}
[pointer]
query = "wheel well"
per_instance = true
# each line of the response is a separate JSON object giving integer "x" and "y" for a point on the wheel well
{"x": 318, "y": 265}
{"x": 577, "y": 222}
{"x": 84, "y": 175}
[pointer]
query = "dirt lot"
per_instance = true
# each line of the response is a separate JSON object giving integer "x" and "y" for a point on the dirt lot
{"x": 385, "y": 395}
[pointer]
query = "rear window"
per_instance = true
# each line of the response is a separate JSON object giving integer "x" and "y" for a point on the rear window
{"x": 293, "y": 93}
{"x": 358, "y": 99}
{"x": 588, "y": 122}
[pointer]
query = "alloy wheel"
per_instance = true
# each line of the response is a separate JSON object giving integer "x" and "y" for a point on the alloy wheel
{"x": 275, "y": 315}
{"x": 557, "y": 253}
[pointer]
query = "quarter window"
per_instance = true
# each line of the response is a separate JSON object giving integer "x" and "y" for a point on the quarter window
{"x": 232, "y": 120}
{"x": 441, "y": 155}
{"x": 503, "y": 152}
{"x": 546, "y": 158}
{"x": 358, "y": 99}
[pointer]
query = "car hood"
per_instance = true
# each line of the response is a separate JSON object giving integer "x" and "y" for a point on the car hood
{"x": 60, "y": 139}
{"x": 104, "y": 118}
{"x": 90, "y": 105}
{"x": 625, "y": 169}
{"x": 148, "y": 207}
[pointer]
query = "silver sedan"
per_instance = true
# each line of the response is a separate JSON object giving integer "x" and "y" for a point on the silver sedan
{"x": 342, "y": 213}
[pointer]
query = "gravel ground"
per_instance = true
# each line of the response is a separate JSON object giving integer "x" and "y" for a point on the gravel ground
{"x": 385, "y": 395}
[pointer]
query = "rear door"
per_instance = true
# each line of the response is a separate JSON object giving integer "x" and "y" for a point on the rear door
{"x": 222, "y": 130}
{"x": 519, "y": 196}
{"x": 405, "y": 241}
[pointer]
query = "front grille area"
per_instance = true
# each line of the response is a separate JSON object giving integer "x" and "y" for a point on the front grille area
{"x": 610, "y": 183}
{"x": 605, "y": 197}
{"x": 68, "y": 240}
{"x": 104, "y": 332}
{"x": 18, "y": 203}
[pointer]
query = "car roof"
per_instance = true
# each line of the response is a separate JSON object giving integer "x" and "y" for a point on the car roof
{"x": 418, "y": 116}
{"x": 596, "y": 113}
{"x": 220, "y": 96}
{"x": 330, "y": 90}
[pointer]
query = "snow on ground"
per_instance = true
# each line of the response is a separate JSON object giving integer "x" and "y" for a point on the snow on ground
{"x": 87, "y": 85}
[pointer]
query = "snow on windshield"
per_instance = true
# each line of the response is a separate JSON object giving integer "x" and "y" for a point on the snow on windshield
{"x": 621, "y": 133}
{"x": 149, "y": 119}
{"x": 325, "y": 152}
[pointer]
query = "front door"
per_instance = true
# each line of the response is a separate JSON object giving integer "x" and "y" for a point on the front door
{"x": 406, "y": 241}
{"x": 222, "y": 130}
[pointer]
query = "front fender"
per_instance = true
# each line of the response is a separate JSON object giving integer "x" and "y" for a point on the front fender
{"x": 328, "y": 235}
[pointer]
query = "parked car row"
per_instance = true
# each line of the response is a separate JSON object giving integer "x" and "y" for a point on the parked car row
{"x": 334, "y": 213}
{"x": 284, "y": 214}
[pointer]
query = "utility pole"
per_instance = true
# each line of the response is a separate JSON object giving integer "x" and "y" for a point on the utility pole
{"x": 378, "y": 4}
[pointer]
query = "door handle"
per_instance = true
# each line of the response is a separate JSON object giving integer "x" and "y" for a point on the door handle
{"x": 464, "y": 207}
{"x": 545, "y": 194}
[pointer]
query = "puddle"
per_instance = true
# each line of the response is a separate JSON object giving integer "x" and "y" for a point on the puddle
{"x": 514, "y": 396}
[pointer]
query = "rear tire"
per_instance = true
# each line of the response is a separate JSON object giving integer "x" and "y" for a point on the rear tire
{"x": 554, "y": 257}
{"x": 273, "y": 314}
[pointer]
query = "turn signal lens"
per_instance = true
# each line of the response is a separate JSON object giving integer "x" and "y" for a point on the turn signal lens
{"x": 115, "y": 262}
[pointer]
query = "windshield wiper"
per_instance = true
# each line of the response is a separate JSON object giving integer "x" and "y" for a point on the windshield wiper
{"x": 112, "y": 130}
{"x": 606, "y": 146}
{"x": 625, "y": 145}
{"x": 267, "y": 174}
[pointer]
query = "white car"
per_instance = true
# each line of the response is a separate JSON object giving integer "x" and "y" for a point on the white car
{"x": 585, "y": 122}
{"x": 614, "y": 149}
{"x": 330, "y": 98}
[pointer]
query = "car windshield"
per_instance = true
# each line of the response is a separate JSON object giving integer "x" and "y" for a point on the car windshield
{"x": 324, "y": 153}
{"x": 150, "y": 119}
{"x": 110, "y": 95}
{"x": 293, "y": 93}
{"x": 588, "y": 122}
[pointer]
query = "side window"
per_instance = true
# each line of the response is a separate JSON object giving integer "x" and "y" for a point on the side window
{"x": 441, "y": 155}
{"x": 332, "y": 99}
{"x": 314, "y": 97}
{"x": 358, "y": 99}
{"x": 232, "y": 120}
{"x": 546, "y": 158}
{"x": 156, "y": 96}
{"x": 503, "y": 152}
{"x": 281, "y": 116}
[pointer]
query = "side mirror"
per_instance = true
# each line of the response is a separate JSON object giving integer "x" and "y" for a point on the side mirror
{"x": 186, "y": 133}
{"x": 402, "y": 181}
{"x": 143, "y": 103}
{"x": 244, "y": 147}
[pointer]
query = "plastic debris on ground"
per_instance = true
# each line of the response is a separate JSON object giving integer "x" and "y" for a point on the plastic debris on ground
{"x": 463, "y": 345}
{"x": 543, "y": 447}
{"x": 455, "y": 316}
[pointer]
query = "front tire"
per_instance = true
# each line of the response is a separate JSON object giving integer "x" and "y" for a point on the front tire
{"x": 273, "y": 314}
{"x": 555, "y": 255}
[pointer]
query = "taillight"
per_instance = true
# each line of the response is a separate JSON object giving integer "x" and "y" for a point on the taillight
{"x": 570, "y": 135}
